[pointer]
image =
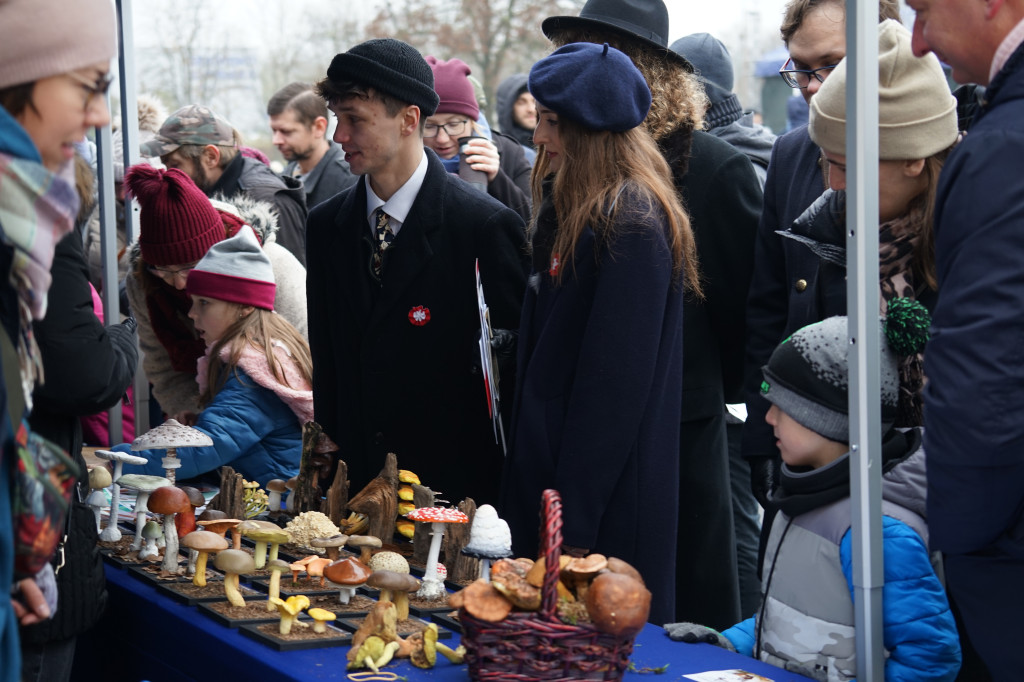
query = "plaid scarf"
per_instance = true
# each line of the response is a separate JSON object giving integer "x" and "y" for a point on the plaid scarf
{"x": 37, "y": 209}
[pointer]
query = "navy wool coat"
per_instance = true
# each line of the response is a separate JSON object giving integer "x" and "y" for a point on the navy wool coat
{"x": 396, "y": 364}
{"x": 597, "y": 404}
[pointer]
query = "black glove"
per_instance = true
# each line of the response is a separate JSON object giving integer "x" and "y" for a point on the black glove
{"x": 764, "y": 478}
{"x": 504, "y": 344}
{"x": 691, "y": 633}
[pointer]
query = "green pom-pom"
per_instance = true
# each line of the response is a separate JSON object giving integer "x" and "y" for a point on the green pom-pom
{"x": 906, "y": 326}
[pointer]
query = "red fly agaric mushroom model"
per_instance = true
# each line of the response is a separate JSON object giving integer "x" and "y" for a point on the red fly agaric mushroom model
{"x": 170, "y": 436}
{"x": 437, "y": 517}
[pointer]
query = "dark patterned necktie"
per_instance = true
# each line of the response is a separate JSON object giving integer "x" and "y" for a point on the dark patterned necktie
{"x": 384, "y": 238}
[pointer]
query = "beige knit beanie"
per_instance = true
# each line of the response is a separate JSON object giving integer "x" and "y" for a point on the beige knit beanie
{"x": 916, "y": 111}
{"x": 42, "y": 38}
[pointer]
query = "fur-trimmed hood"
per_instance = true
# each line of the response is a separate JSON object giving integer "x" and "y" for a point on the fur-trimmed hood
{"x": 254, "y": 364}
{"x": 260, "y": 215}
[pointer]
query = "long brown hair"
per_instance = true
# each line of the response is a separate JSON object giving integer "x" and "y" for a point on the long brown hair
{"x": 261, "y": 329}
{"x": 596, "y": 167}
{"x": 922, "y": 209}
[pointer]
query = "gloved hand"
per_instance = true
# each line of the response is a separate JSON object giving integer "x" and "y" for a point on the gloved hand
{"x": 764, "y": 477}
{"x": 691, "y": 633}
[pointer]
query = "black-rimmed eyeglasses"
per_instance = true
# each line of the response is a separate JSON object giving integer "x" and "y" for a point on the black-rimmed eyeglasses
{"x": 801, "y": 78}
{"x": 454, "y": 129}
{"x": 93, "y": 89}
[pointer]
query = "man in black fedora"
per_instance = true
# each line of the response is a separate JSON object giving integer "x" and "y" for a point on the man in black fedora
{"x": 721, "y": 192}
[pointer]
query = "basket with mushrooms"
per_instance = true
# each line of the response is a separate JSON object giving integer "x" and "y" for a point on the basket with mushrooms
{"x": 577, "y": 616}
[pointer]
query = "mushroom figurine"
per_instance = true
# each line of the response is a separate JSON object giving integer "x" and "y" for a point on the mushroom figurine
{"x": 489, "y": 539}
{"x": 99, "y": 478}
{"x": 170, "y": 436}
{"x": 143, "y": 485}
{"x": 433, "y": 588}
{"x": 150, "y": 532}
{"x": 332, "y": 545}
{"x": 169, "y": 501}
{"x": 232, "y": 562}
{"x": 289, "y": 609}
{"x": 347, "y": 575}
{"x": 618, "y": 604}
{"x": 315, "y": 568}
{"x": 275, "y": 488}
{"x": 264, "y": 536}
{"x": 389, "y": 561}
{"x": 202, "y": 542}
{"x": 276, "y": 568}
{"x": 289, "y": 485}
{"x": 320, "y": 619}
{"x": 112, "y": 533}
{"x": 365, "y": 544}
{"x": 222, "y": 526}
{"x": 185, "y": 522}
{"x": 395, "y": 588}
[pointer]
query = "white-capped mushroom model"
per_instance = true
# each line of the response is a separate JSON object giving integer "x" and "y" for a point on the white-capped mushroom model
{"x": 143, "y": 485}
{"x": 99, "y": 478}
{"x": 170, "y": 436}
{"x": 489, "y": 539}
{"x": 437, "y": 517}
{"x": 112, "y": 533}
{"x": 150, "y": 532}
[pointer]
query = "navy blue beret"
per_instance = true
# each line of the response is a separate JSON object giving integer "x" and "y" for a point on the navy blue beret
{"x": 594, "y": 85}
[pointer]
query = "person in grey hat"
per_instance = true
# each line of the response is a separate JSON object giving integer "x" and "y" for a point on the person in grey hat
{"x": 723, "y": 197}
{"x": 194, "y": 139}
{"x": 725, "y": 118}
{"x": 393, "y": 315}
{"x": 805, "y": 622}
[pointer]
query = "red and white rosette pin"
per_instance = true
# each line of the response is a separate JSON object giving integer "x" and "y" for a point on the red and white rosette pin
{"x": 555, "y": 262}
{"x": 419, "y": 315}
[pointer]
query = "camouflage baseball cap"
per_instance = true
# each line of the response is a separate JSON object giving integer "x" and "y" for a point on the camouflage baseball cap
{"x": 192, "y": 124}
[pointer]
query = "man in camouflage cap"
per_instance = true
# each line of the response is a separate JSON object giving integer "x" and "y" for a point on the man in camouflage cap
{"x": 205, "y": 146}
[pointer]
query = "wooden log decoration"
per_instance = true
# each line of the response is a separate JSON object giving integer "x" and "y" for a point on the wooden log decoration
{"x": 461, "y": 568}
{"x": 230, "y": 499}
{"x": 337, "y": 495}
{"x": 307, "y": 491}
{"x": 422, "y": 496}
{"x": 379, "y": 501}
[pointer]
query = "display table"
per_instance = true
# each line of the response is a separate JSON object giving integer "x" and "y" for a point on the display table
{"x": 148, "y": 636}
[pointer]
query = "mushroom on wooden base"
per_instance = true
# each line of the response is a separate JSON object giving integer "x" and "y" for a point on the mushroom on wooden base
{"x": 169, "y": 501}
{"x": 112, "y": 533}
{"x": 143, "y": 485}
{"x": 433, "y": 587}
{"x": 489, "y": 539}
{"x": 203, "y": 542}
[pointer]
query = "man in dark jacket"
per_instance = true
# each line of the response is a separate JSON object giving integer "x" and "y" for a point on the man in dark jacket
{"x": 974, "y": 395}
{"x": 197, "y": 141}
{"x": 722, "y": 195}
{"x": 298, "y": 119}
{"x": 517, "y": 112}
{"x": 391, "y": 285}
{"x": 87, "y": 367}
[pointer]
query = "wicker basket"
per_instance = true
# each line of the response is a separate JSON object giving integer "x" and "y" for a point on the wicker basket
{"x": 536, "y": 645}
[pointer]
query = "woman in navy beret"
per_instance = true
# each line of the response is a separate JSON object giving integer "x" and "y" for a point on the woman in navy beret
{"x": 596, "y": 414}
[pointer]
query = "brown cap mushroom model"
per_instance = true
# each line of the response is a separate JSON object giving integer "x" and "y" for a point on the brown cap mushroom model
{"x": 275, "y": 488}
{"x": 347, "y": 574}
{"x": 169, "y": 501}
{"x": 112, "y": 533}
{"x": 365, "y": 544}
{"x": 143, "y": 485}
{"x": 222, "y": 526}
{"x": 170, "y": 436}
{"x": 395, "y": 587}
{"x": 489, "y": 539}
{"x": 332, "y": 545}
{"x": 203, "y": 542}
{"x": 437, "y": 517}
{"x": 232, "y": 562}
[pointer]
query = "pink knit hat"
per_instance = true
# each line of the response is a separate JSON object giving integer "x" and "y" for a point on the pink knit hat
{"x": 43, "y": 38}
{"x": 451, "y": 83}
{"x": 178, "y": 224}
{"x": 235, "y": 270}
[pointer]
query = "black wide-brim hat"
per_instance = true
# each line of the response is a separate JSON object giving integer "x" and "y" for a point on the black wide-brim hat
{"x": 643, "y": 20}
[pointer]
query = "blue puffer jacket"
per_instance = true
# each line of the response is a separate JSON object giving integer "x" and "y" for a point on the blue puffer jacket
{"x": 808, "y": 609}
{"x": 252, "y": 429}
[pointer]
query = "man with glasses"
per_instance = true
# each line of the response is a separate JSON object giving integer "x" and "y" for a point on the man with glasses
{"x": 814, "y": 31}
{"x": 391, "y": 285}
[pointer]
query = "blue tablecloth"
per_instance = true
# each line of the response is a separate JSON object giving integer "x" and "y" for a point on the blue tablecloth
{"x": 148, "y": 636}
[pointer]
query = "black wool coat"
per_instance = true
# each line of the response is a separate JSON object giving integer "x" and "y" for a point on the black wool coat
{"x": 396, "y": 364}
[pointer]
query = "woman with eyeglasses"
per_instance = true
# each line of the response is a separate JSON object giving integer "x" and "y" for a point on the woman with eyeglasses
{"x": 500, "y": 157}
{"x": 177, "y": 226}
{"x": 54, "y": 67}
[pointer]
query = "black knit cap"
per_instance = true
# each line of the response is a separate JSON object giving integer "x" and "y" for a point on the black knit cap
{"x": 391, "y": 67}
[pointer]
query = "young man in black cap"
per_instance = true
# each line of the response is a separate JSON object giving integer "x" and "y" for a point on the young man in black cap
{"x": 391, "y": 285}
{"x": 723, "y": 197}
